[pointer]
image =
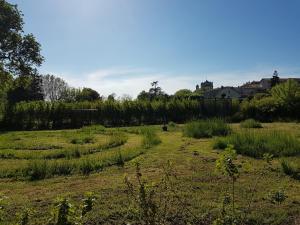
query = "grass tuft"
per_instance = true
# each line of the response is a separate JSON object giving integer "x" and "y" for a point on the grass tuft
{"x": 206, "y": 128}
{"x": 150, "y": 137}
{"x": 290, "y": 169}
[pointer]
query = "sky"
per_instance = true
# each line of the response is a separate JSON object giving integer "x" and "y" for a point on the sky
{"x": 121, "y": 46}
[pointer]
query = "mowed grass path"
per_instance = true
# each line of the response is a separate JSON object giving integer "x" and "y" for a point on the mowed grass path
{"x": 201, "y": 188}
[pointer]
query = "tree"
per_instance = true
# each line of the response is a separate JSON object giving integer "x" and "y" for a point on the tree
{"x": 155, "y": 90}
{"x": 183, "y": 93}
{"x": 53, "y": 87}
{"x": 111, "y": 97}
{"x": 287, "y": 94}
{"x": 275, "y": 79}
{"x": 87, "y": 94}
{"x": 26, "y": 88}
{"x": 143, "y": 95}
{"x": 19, "y": 53}
{"x": 70, "y": 94}
{"x": 5, "y": 83}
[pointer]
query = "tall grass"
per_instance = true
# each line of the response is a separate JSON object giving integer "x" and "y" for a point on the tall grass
{"x": 150, "y": 137}
{"x": 257, "y": 143}
{"x": 250, "y": 123}
{"x": 206, "y": 128}
{"x": 290, "y": 169}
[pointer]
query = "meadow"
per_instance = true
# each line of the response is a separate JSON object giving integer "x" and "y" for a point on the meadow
{"x": 118, "y": 164}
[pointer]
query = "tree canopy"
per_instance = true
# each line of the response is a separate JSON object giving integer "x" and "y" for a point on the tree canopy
{"x": 19, "y": 52}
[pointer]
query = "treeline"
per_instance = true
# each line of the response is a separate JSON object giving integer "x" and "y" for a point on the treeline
{"x": 59, "y": 115}
{"x": 282, "y": 102}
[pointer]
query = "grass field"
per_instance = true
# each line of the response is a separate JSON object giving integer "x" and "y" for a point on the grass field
{"x": 199, "y": 186}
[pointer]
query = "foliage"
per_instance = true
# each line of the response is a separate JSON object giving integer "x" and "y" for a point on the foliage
{"x": 87, "y": 94}
{"x": 226, "y": 165}
{"x": 206, "y": 128}
{"x": 19, "y": 53}
{"x": 251, "y": 123}
{"x": 278, "y": 197}
{"x": 25, "y": 88}
{"x": 183, "y": 93}
{"x": 87, "y": 203}
{"x": 283, "y": 102}
{"x": 257, "y": 143}
{"x": 63, "y": 212}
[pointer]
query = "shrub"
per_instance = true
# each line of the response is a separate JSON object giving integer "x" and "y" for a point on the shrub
{"x": 206, "y": 128}
{"x": 150, "y": 137}
{"x": 257, "y": 143}
{"x": 251, "y": 123}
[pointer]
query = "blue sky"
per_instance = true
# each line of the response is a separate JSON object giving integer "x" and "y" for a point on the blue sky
{"x": 121, "y": 46}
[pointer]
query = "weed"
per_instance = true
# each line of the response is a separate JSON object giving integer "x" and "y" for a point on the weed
{"x": 87, "y": 203}
{"x": 63, "y": 212}
{"x": 277, "y": 197}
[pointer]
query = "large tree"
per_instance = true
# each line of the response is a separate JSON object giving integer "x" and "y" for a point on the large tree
{"x": 88, "y": 94}
{"x": 19, "y": 52}
{"x": 54, "y": 88}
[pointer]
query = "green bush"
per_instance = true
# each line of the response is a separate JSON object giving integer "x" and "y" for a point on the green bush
{"x": 251, "y": 123}
{"x": 257, "y": 143}
{"x": 150, "y": 137}
{"x": 206, "y": 128}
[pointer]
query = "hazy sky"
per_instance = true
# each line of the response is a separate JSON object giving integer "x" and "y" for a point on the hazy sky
{"x": 121, "y": 46}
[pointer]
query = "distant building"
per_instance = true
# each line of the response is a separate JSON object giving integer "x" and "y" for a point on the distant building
{"x": 265, "y": 83}
{"x": 232, "y": 92}
{"x": 246, "y": 90}
{"x": 207, "y": 86}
